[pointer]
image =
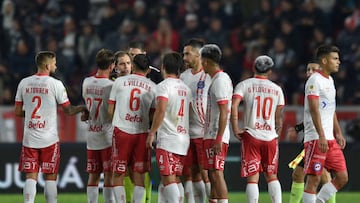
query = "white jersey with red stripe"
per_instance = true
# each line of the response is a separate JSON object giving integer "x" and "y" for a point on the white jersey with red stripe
{"x": 199, "y": 84}
{"x": 220, "y": 92}
{"x": 96, "y": 92}
{"x": 133, "y": 96}
{"x": 261, "y": 98}
{"x": 40, "y": 94}
{"x": 320, "y": 87}
{"x": 173, "y": 134}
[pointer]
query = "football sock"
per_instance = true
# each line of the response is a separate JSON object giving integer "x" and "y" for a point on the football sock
{"x": 29, "y": 190}
{"x": 274, "y": 189}
{"x": 171, "y": 193}
{"x": 326, "y": 192}
{"x": 119, "y": 193}
{"x": 296, "y": 193}
{"x": 138, "y": 195}
{"x": 252, "y": 192}
{"x": 309, "y": 197}
{"x": 50, "y": 191}
{"x": 108, "y": 194}
{"x": 92, "y": 193}
{"x": 189, "y": 192}
{"x": 199, "y": 191}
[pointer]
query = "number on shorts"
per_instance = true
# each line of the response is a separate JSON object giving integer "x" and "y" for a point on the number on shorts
{"x": 209, "y": 153}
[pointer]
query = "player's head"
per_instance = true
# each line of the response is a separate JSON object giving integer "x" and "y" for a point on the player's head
{"x": 210, "y": 57}
{"x": 191, "y": 52}
{"x": 211, "y": 52}
{"x": 122, "y": 63}
{"x": 172, "y": 63}
{"x": 136, "y": 47}
{"x": 328, "y": 58}
{"x": 263, "y": 64}
{"x": 105, "y": 59}
{"x": 311, "y": 68}
{"x": 46, "y": 60}
{"x": 141, "y": 63}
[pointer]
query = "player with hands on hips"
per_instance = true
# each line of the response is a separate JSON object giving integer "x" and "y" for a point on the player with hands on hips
{"x": 263, "y": 106}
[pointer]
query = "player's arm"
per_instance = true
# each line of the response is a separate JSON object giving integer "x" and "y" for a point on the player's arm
{"x": 72, "y": 110}
{"x": 111, "y": 109}
{"x": 223, "y": 108}
{"x": 315, "y": 116}
{"x": 338, "y": 134}
{"x": 279, "y": 118}
{"x": 158, "y": 118}
{"x": 18, "y": 110}
{"x": 234, "y": 116}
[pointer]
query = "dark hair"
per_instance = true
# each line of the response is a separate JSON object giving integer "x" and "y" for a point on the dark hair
{"x": 173, "y": 63}
{"x": 142, "y": 62}
{"x": 313, "y": 61}
{"x": 104, "y": 58}
{"x": 212, "y": 52}
{"x": 42, "y": 56}
{"x": 137, "y": 45}
{"x": 120, "y": 54}
{"x": 324, "y": 50}
{"x": 195, "y": 43}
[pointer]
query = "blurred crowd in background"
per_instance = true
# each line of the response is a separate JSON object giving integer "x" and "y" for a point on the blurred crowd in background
{"x": 287, "y": 30}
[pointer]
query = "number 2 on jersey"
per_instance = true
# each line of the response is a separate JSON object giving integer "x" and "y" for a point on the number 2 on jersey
{"x": 37, "y": 107}
{"x": 264, "y": 107}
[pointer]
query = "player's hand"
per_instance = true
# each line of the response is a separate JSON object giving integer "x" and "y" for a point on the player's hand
{"x": 323, "y": 145}
{"x": 217, "y": 147}
{"x": 149, "y": 140}
{"x": 84, "y": 115}
{"x": 341, "y": 140}
{"x": 291, "y": 133}
{"x": 238, "y": 133}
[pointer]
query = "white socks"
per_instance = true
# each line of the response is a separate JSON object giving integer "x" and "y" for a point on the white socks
{"x": 171, "y": 193}
{"x": 309, "y": 197}
{"x": 119, "y": 193}
{"x": 252, "y": 192}
{"x": 274, "y": 189}
{"x": 108, "y": 194}
{"x": 181, "y": 190}
{"x": 326, "y": 192}
{"x": 50, "y": 191}
{"x": 208, "y": 189}
{"x": 199, "y": 191}
{"x": 138, "y": 194}
{"x": 189, "y": 191}
{"x": 92, "y": 194}
{"x": 161, "y": 197}
{"x": 29, "y": 190}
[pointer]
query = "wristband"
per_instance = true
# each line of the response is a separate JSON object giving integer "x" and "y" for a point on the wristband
{"x": 299, "y": 127}
{"x": 218, "y": 138}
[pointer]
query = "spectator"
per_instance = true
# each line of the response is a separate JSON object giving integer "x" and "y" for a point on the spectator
{"x": 22, "y": 61}
{"x": 166, "y": 37}
{"x": 191, "y": 28}
{"x": 349, "y": 38}
{"x": 88, "y": 43}
{"x": 216, "y": 33}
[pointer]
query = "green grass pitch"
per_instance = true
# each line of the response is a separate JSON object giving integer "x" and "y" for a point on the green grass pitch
{"x": 341, "y": 197}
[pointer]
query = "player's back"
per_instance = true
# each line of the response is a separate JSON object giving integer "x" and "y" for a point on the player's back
{"x": 40, "y": 95}
{"x": 173, "y": 134}
{"x": 134, "y": 96}
{"x": 96, "y": 92}
{"x": 261, "y": 97}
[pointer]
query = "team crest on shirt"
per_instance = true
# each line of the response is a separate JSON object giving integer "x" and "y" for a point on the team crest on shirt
{"x": 311, "y": 87}
{"x": 317, "y": 166}
{"x": 201, "y": 84}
